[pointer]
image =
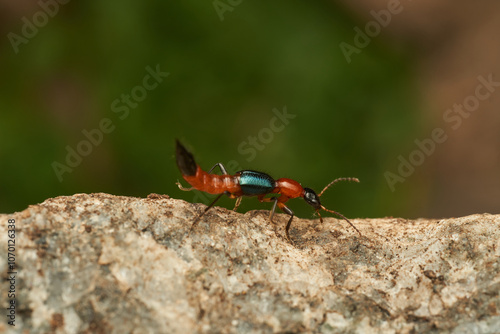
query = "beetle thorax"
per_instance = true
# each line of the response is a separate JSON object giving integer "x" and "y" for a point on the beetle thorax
{"x": 289, "y": 188}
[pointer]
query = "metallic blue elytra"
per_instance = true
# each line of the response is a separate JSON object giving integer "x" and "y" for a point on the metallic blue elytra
{"x": 256, "y": 183}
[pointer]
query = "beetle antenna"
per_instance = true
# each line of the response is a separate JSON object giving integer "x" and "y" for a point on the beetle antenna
{"x": 353, "y": 179}
{"x": 343, "y": 217}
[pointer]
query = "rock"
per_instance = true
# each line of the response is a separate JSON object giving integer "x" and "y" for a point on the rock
{"x": 109, "y": 264}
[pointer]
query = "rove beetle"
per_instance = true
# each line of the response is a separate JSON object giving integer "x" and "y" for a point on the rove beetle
{"x": 249, "y": 183}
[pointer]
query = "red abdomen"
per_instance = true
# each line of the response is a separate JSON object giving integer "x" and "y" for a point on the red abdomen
{"x": 213, "y": 183}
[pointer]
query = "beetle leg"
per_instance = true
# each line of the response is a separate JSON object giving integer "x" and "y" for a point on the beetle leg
{"x": 283, "y": 208}
{"x": 273, "y": 210}
{"x": 263, "y": 199}
{"x": 221, "y": 166}
{"x": 206, "y": 209}
{"x": 287, "y": 210}
{"x": 237, "y": 204}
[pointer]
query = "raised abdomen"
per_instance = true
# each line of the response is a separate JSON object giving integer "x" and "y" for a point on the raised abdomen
{"x": 213, "y": 183}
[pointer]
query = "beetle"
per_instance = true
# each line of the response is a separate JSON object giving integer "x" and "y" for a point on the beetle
{"x": 249, "y": 183}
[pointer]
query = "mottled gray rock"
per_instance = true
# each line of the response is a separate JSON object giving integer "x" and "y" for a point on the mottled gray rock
{"x": 109, "y": 264}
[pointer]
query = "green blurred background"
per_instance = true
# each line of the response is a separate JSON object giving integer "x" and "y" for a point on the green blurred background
{"x": 225, "y": 78}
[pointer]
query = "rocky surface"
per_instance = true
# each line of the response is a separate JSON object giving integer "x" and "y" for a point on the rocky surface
{"x": 107, "y": 264}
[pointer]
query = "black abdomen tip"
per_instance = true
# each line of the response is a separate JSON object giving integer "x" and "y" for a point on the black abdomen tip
{"x": 185, "y": 160}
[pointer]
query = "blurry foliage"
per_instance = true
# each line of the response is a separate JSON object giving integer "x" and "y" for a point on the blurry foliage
{"x": 225, "y": 79}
